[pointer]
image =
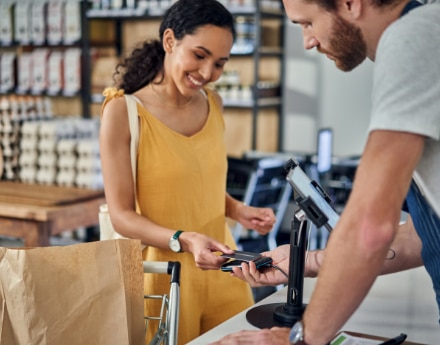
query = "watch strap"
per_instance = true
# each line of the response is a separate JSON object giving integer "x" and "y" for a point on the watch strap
{"x": 174, "y": 243}
{"x": 177, "y": 234}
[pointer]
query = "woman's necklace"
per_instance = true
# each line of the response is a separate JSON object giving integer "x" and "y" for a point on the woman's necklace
{"x": 167, "y": 103}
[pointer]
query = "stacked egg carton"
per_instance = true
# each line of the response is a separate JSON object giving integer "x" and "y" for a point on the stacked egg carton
{"x": 61, "y": 151}
{"x": 9, "y": 132}
{"x": 78, "y": 158}
{"x": 28, "y": 161}
{"x": 16, "y": 111}
{"x": 50, "y": 133}
{"x": 67, "y": 159}
{"x": 68, "y": 156}
{"x": 89, "y": 173}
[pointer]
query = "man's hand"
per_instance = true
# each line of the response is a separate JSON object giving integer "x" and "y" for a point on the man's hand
{"x": 266, "y": 276}
{"x": 281, "y": 259}
{"x": 273, "y": 336}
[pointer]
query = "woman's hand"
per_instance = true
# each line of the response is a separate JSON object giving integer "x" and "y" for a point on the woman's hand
{"x": 203, "y": 249}
{"x": 260, "y": 219}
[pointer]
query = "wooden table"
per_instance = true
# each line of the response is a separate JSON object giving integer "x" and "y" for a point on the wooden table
{"x": 33, "y": 213}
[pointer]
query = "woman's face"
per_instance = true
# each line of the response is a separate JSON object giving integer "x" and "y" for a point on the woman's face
{"x": 196, "y": 59}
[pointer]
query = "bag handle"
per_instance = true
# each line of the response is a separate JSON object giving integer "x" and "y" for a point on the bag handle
{"x": 133, "y": 122}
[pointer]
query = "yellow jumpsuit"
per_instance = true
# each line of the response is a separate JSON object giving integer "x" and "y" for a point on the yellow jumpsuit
{"x": 181, "y": 184}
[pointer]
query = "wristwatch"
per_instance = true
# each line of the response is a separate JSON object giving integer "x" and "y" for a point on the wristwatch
{"x": 297, "y": 333}
{"x": 174, "y": 242}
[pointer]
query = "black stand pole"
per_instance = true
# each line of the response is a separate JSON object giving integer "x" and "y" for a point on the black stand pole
{"x": 286, "y": 314}
{"x": 294, "y": 308}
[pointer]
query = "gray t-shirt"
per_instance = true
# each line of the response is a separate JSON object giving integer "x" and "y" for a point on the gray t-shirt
{"x": 406, "y": 89}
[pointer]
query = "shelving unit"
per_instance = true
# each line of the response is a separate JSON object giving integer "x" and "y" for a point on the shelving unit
{"x": 38, "y": 39}
{"x": 22, "y": 34}
{"x": 260, "y": 60}
{"x": 115, "y": 21}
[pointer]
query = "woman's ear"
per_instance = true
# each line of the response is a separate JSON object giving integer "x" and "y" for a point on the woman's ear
{"x": 168, "y": 40}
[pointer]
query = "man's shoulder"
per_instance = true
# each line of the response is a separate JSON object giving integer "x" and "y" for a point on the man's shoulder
{"x": 415, "y": 30}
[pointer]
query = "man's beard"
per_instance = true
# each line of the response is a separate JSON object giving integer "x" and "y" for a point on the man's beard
{"x": 347, "y": 45}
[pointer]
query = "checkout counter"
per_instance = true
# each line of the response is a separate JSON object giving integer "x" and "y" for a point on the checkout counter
{"x": 389, "y": 309}
{"x": 385, "y": 312}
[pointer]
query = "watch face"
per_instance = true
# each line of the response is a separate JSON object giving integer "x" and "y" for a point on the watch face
{"x": 175, "y": 245}
{"x": 296, "y": 333}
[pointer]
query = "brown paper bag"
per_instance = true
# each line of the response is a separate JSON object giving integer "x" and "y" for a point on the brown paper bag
{"x": 89, "y": 293}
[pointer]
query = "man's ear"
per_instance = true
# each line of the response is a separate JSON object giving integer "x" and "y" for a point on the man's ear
{"x": 168, "y": 40}
{"x": 352, "y": 8}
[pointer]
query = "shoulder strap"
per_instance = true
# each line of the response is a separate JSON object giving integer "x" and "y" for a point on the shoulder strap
{"x": 410, "y": 6}
{"x": 133, "y": 122}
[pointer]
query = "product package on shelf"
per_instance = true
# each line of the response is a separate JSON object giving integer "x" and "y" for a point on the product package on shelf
{"x": 39, "y": 70}
{"x": 22, "y": 22}
{"x": 55, "y": 72}
{"x": 7, "y": 71}
{"x": 72, "y": 21}
{"x": 24, "y": 71}
{"x": 38, "y": 22}
{"x": 55, "y": 19}
{"x": 6, "y": 24}
{"x": 72, "y": 74}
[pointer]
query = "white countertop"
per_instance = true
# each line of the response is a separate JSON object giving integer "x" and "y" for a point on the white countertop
{"x": 239, "y": 322}
{"x": 397, "y": 303}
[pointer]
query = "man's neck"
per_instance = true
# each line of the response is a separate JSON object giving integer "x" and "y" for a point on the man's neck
{"x": 378, "y": 19}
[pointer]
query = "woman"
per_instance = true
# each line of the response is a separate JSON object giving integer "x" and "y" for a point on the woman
{"x": 181, "y": 164}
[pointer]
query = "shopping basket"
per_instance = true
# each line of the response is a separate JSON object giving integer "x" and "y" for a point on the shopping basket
{"x": 168, "y": 319}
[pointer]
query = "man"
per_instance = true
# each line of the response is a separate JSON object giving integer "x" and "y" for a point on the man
{"x": 401, "y": 158}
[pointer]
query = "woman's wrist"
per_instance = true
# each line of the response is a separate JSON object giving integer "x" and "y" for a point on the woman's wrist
{"x": 185, "y": 240}
{"x": 232, "y": 209}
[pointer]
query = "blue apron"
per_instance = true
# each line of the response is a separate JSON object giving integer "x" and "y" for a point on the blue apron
{"x": 427, "y": 224}
{"x": 426, "y": 221}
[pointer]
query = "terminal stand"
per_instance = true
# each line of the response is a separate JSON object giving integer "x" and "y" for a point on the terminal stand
{"x": 286, "y": 314}
{"x": 314, "y": 206}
